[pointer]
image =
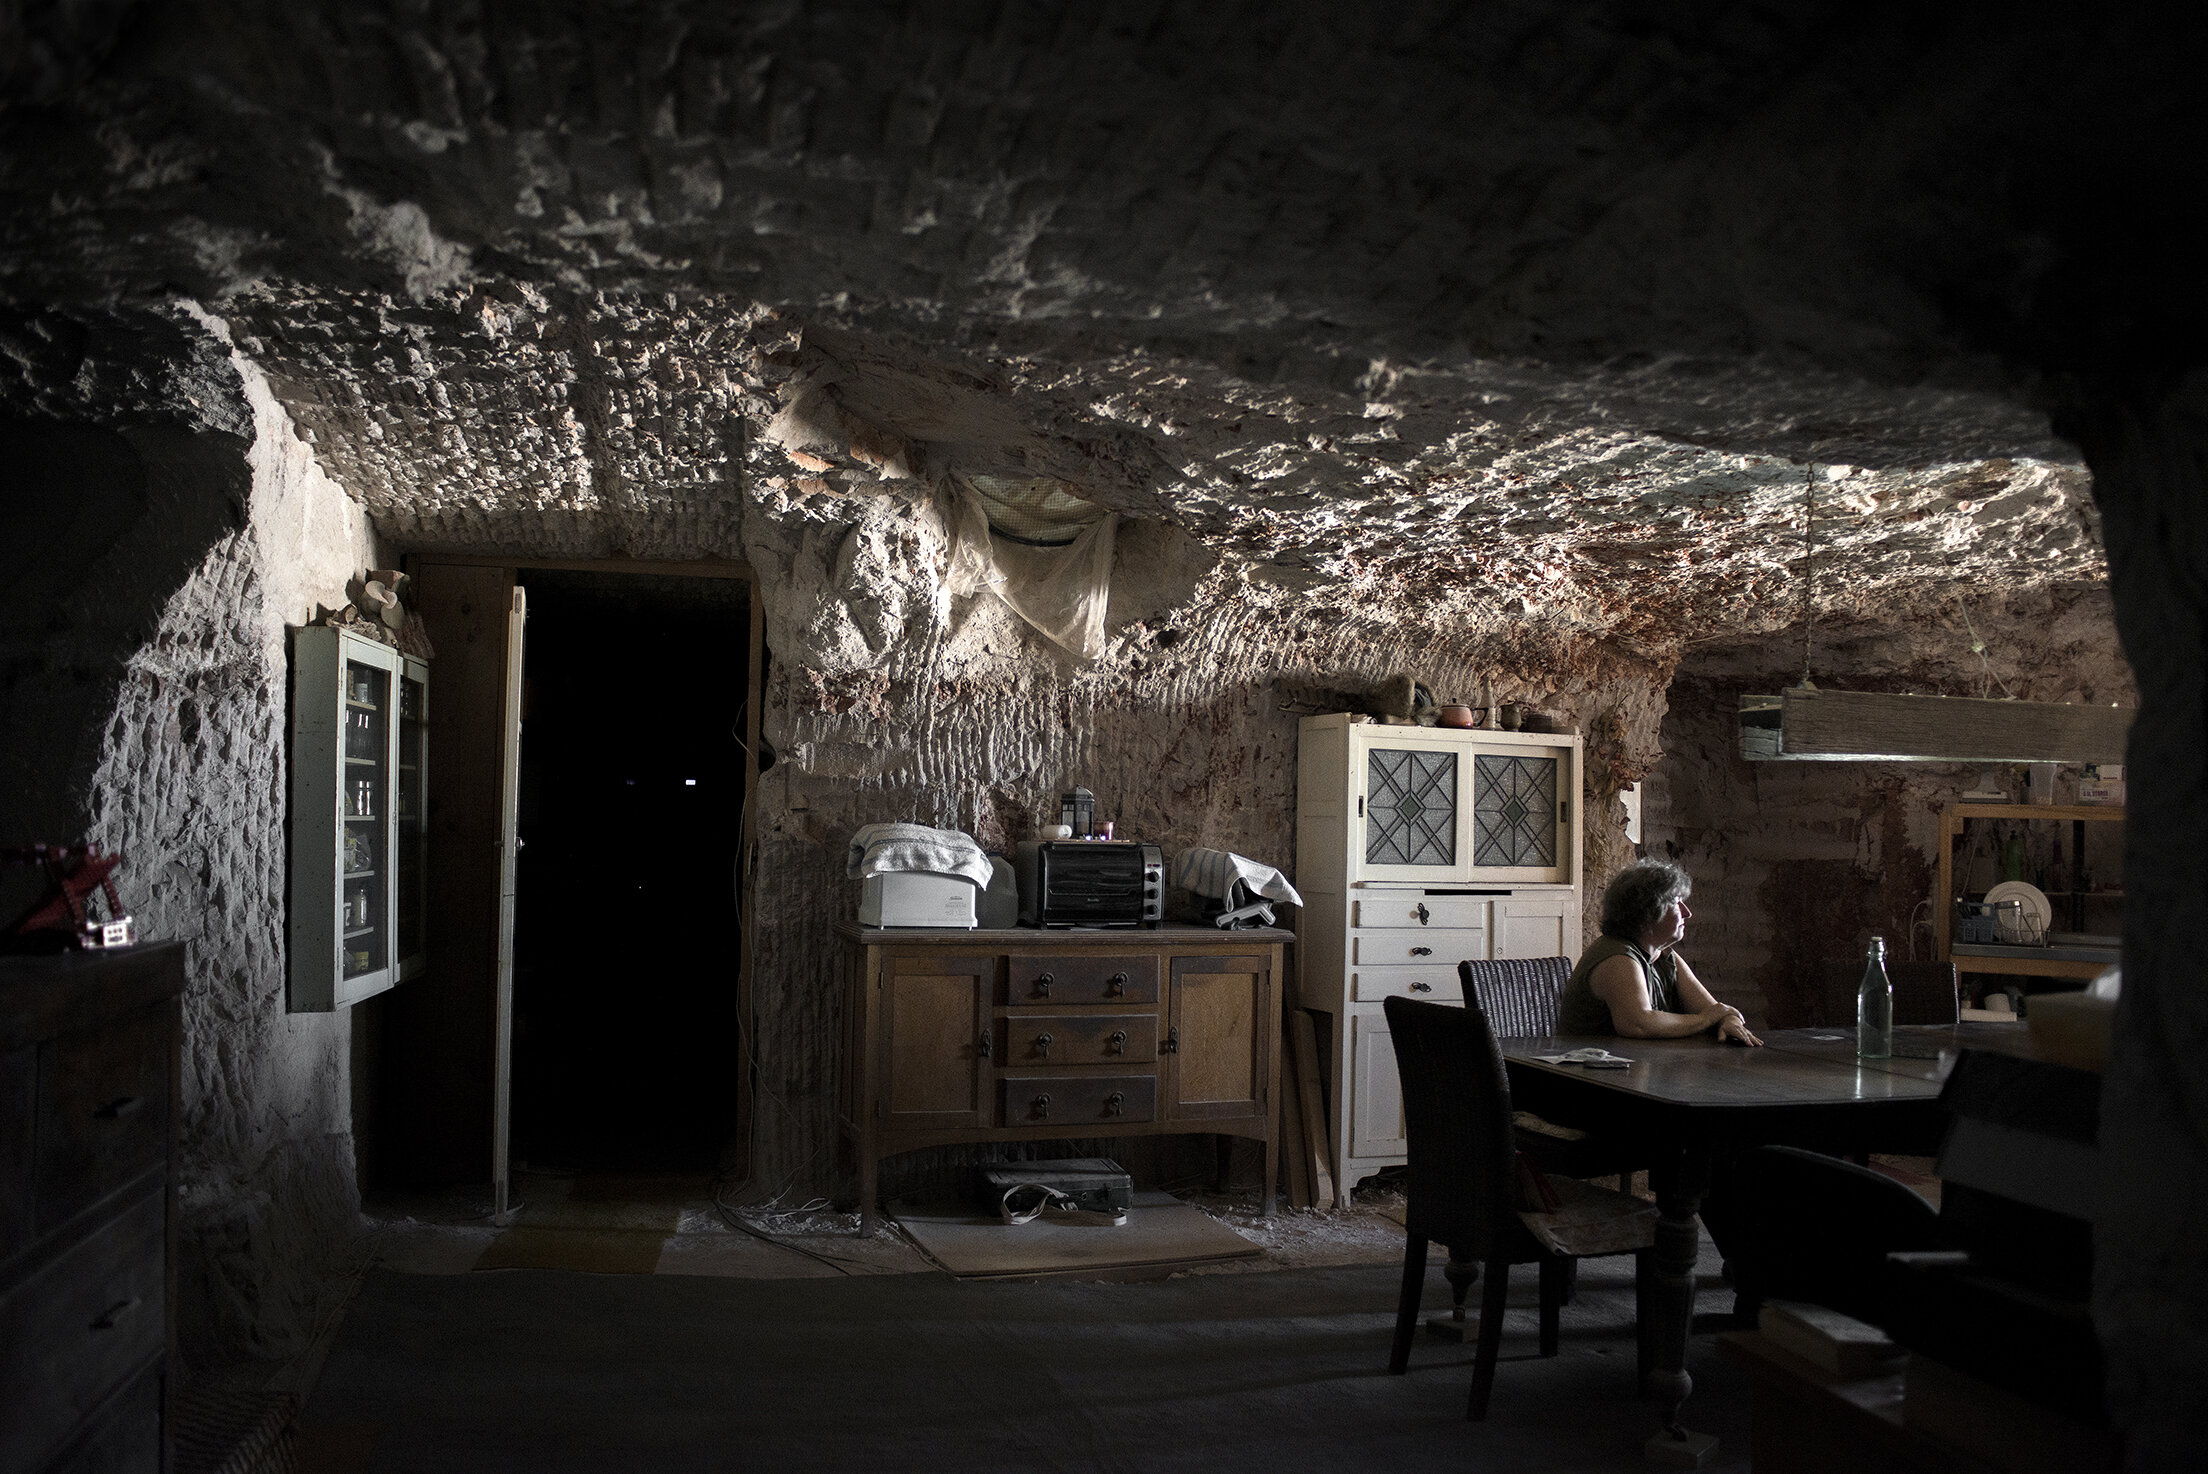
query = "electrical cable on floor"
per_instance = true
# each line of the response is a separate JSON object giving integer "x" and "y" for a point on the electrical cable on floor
{"x": 734, "y": 1220}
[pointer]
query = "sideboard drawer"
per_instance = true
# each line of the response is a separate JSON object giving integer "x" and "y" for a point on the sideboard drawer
{"x": 79, "y": 1328}
{"x": 1431, "y": 947}
{"x": 1079, "y": 1100}
{"x": 1110, "y": 979}
{"x": 103, "y": 1111}
{"x": 1079, "y": 1039}
{"x": 1410, "y": 908}
{"x": 1425, "y": 984}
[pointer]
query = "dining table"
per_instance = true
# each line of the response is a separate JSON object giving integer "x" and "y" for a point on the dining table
{"x": 1684, "y": 1105}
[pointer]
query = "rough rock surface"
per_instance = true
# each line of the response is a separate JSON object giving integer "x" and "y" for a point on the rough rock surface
{"x": 1502, "y": 344}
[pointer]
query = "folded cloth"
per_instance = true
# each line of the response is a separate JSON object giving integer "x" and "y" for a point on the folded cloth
{"x": 879, "y": 849}
{"x": 1214, "y": 872}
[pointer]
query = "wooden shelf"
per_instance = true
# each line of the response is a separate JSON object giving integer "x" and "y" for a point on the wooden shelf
{"x": 2036, "y": 811}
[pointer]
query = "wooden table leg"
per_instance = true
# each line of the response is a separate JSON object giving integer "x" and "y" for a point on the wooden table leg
{"x": 1272, "y": 1167}
{"x": 1679, "y": 1181}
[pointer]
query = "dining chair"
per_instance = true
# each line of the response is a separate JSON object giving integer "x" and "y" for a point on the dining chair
{"x": 1924, "y": 992}
{"x": 1521, "y": 997}
{"x": 1816, "y": 1228}
{"x": 1468, "y": 1188}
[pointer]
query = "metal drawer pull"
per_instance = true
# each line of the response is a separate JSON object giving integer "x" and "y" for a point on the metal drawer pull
{"x": 1422, "y": 951}
{"x": 112, "y": 1317}
{"x": 988, "y": 1047}
{"x": 1042, "y": 1105}
{"x": 1042, "y": 984}
{"x": 1422, "y": 987}
{"x": 1423, "y": 918}
{"x": 1115, "y": 1103}
{"x": 1119, "y": 1040}
{"x": 1172, "y": 1044}
{"x": 1042, "y": 1042}
{"x": 1116, "y": 986}
{"x": 115, "y": 1110}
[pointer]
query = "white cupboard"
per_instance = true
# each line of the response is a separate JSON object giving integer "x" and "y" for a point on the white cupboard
{"x": 1416, "y": 848}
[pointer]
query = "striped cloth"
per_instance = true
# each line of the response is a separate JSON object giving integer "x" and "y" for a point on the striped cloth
{"x": 1519, "y": 995}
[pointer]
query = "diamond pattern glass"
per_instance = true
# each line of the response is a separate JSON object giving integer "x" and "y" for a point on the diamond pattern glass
{"x": 1410, "y": 807}
{"x": 1514, "y": 810}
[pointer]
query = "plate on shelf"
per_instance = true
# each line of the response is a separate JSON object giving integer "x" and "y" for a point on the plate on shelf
{"x": 2034, "y": 913}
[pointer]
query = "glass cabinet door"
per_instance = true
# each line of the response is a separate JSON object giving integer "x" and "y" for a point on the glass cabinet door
{"x": 1412, "y": 806}
{"x": 1466, "y": 807}
{"x": 411, "y": 857}
{"x": 366, "y": 928}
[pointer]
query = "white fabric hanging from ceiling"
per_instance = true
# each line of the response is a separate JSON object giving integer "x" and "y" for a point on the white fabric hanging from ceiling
{"x": 1059, "y": 587}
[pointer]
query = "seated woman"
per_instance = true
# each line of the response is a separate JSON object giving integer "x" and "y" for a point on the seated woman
{"x": 1632, "y": 980}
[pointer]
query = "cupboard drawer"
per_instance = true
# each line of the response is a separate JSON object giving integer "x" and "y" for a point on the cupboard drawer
{"x": 1121, "y": 979}
{"x": 103, "y": 1112}
{"x": 1079, "y": 1039}
{"x": 1410, "y": 908}
{"x": 1425, "y": 984}
{"x": 80, "y": 1328}
{"x": 1429, "y": 947}
{"x": 1079, "y": 1100}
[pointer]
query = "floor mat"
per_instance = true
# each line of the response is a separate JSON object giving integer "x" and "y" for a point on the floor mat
{"x": 589, "y": 1250}
{"x": 1160, "y": 1232}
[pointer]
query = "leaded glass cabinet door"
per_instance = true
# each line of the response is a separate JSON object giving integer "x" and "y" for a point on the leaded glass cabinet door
{"x": 1413, "y": 791}
{"x": 1522, "y": 793}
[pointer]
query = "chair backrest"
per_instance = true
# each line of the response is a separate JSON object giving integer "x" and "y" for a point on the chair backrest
{"x": 1520, "y": 995}
{"x": 1456, "y": 1114}
{"x": 1924, "y": 992}
{"x": 1819, "y": 1229}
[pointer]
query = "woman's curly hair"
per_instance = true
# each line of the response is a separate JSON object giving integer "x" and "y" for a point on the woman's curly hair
{"x": 1638, "y": 894}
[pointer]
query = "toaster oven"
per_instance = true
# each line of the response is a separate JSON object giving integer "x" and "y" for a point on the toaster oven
{"x": 1090, "y": 883}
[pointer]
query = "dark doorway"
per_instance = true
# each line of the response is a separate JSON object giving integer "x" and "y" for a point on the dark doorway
{"x": 626, "y": 917}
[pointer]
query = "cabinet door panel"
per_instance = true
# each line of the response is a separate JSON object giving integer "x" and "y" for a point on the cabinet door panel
{"x": 1216, "y": 1037}
{"x": 1534, "y": 928}
{"x": 1414, "y": 816}
{"x": 1376, "y": 1098}
{"x": 935, "y": 1074}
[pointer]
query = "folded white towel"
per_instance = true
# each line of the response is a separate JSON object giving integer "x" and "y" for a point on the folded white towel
{"x": 1214, "y": 873}
{"x": 878, "y": 849}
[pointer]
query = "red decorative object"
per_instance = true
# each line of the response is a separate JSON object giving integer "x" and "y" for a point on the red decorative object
{"x": 64, "y": 919}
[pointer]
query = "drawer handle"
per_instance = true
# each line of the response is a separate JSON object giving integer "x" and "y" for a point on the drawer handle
{"x": 1042, "y": 1043}
{"x": 1423, "y": 918}
{"x": 1042, "y": 1107}
{"x": 1422, "y": 987}
{"x": 1119, "y": 1041}
{"x": 113, "y": 1316}
{"x": 987, "y": 1046}
{"x": 1172, "y": 1044}
{"x": 1115, "y": 1104}
{"x": 1116, "y": 985}
{"x": 1422, "y": 951}
{"x": 1042, "y": 984}
{"x": 115, "y": 1110}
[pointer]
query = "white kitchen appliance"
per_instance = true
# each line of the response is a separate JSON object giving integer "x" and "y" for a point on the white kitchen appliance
{"x": 917, "y": 898}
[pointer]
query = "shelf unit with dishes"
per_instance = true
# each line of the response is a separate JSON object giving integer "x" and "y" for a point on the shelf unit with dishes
{"x": 358, "y": 743}
{"x": 2020, "y": 961}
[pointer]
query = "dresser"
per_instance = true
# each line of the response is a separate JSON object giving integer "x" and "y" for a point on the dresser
{"x": 1418, "y": 848}
{"x": 1025, "y": 1035}
{"x": 88, "y": 1111}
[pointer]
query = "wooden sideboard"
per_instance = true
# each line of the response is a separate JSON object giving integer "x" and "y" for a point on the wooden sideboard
{"x": 88, "y": 1082}
{"x": 1025, "y": 1035}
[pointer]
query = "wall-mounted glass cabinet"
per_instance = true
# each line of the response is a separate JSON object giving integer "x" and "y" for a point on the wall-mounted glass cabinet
{"x": 358, "y": 728}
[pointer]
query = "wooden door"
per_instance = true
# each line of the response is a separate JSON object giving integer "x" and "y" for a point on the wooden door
{"x": 936, "y": 1071}
{"x": 1218, "y": 1038}
{"x": 442, "y": 1040}
{"x": 1376, "y": 1090}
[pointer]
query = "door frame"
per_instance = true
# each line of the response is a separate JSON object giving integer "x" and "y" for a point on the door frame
{"x": 747, "y": 856}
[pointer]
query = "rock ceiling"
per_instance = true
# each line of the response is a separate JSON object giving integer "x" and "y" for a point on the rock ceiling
{"x": 1531, "y": 313}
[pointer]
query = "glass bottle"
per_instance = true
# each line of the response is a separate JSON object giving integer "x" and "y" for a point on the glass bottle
{"x": 1874, "y": 1007}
